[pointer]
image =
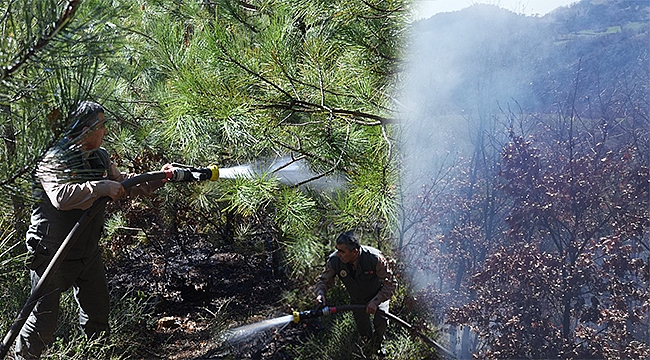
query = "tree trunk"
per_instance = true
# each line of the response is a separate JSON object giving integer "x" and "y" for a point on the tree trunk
{"x": 464, "y": 344}
{"x": 9, "y": 137}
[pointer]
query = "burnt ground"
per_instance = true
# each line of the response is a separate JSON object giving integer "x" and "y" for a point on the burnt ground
{"x": 198, "y": 289}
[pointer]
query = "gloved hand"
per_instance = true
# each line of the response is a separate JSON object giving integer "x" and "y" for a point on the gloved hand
{"x": 371, "y": 308}
{"x": 166, "y": 167}
{"x": 110, "y": 188}
{"x": 321, "y": 299}
{"x": 156, "y": 184}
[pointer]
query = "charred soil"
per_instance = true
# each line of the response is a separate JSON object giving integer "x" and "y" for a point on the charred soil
{"x": 197, "y": 289}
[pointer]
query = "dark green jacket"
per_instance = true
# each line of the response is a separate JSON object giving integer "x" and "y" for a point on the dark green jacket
{"x": 49, "y": 226}
{"x": 362, "y": 284}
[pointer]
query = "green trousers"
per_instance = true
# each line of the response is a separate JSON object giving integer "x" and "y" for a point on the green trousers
{"x": 380, "y": 323}
{"x": 87, "y": 278}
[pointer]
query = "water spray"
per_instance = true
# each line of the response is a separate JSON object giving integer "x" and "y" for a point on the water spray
{"x": 244, "y": 333}
{"x": 177, "y": 174}
{"x": 287, "y": 171}
{"x": 331, "y": 310}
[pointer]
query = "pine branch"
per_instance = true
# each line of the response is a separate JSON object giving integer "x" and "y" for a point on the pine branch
{"x": 378, "y": 120}
{"x": 27, "y": 54}
{"x": 304, "y": 106}
{"x": 330, "y": 170}
{"x": 7, "y": 11}
{"x": 14, "y": 177}
{"x": 300, "y": 150}
{"x": 251, "y": 72}
{"x": 247, "y": 7}
{"x": 380, "y": 9}
{"x": 27, "y": 168}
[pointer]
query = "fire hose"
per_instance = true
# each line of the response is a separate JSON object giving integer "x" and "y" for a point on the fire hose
{"x": 326, "y": 311}
{"x": 178, "y": 174}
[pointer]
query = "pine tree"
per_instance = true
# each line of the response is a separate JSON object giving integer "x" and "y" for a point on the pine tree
{"x": 51, "y": 57}
{"x": 223, "y": 82}
{"x": 240, "y": 82}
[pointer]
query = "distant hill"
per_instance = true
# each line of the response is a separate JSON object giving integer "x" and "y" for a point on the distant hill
{"x": 484, "y": 57}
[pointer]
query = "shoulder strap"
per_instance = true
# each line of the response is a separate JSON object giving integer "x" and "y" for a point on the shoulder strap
{"x": 104, "y": 158}
{"x": 368, "y": 259}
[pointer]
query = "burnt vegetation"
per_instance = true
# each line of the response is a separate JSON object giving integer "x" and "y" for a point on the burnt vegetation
{"x": 534, "y": 243}
{"x": 531, "y": 243}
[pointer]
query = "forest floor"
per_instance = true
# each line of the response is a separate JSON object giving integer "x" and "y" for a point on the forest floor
{"x": 199, "y": 289}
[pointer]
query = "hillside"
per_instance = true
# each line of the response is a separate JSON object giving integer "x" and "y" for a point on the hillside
{"x": 510, "y": 122}
{"x": 487, "y": 55}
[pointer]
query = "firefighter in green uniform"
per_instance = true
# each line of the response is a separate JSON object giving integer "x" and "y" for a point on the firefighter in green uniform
{"x": 368, "y": 280}
{"x": 73, "y": 174}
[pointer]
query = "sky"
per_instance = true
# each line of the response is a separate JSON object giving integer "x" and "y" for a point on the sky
{"x": 428, "y": 8}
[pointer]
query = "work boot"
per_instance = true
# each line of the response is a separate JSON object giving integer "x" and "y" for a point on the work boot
{"x": 382, "y": 353}
{"x": 366, "y": 345}
{"x": 364, "y": 340}
{"x": 376, "y": 346}
{"x": 369, "y": 346}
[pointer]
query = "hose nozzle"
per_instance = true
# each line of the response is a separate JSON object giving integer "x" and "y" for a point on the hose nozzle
{"x": 310, "y": 314}
{"x": 190, "y": 174}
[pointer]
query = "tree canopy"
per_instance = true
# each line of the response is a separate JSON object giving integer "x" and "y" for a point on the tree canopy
{"x": 287, "y": 83}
